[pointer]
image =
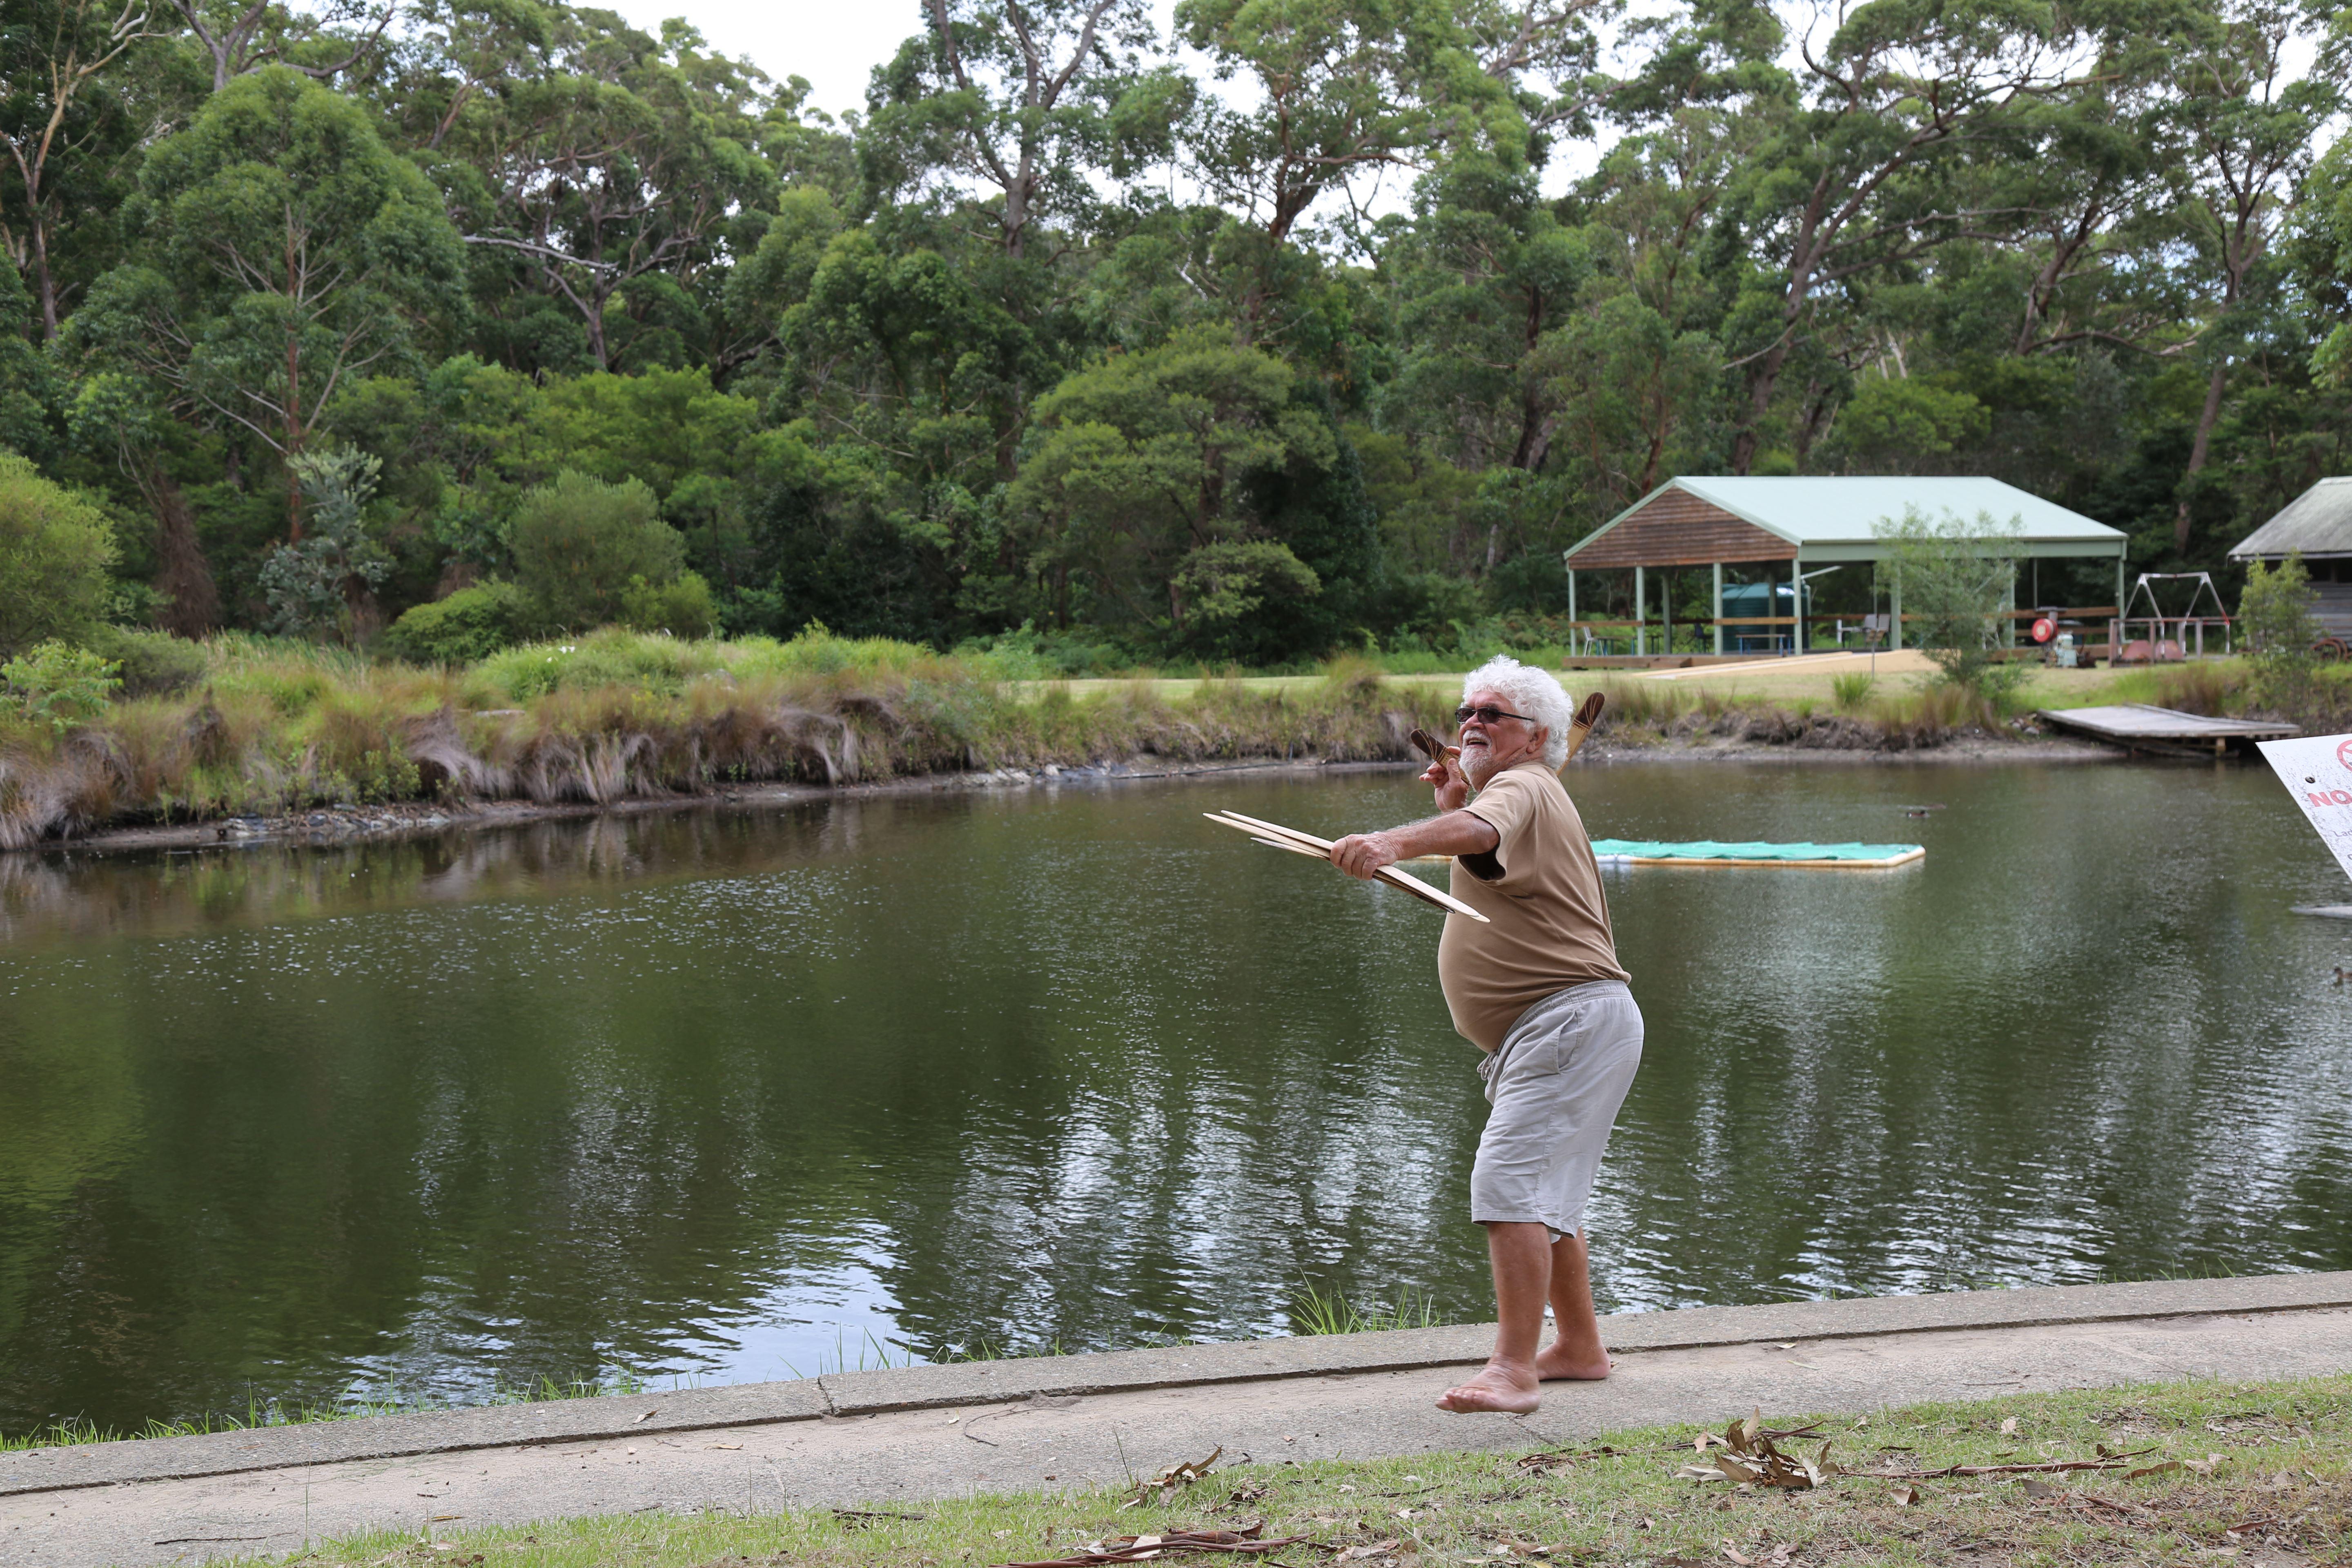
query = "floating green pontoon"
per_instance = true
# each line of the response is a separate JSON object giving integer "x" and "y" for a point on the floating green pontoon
{"x": 1706, "y": 852}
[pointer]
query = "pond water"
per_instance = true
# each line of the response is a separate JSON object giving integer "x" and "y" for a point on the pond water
{"x": 738, "y": 1095}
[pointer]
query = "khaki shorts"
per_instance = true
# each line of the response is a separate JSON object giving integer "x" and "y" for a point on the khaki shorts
{"x": 1555, "y": 1083}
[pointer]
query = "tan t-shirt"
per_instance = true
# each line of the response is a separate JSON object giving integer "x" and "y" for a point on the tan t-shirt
{"x": 1541, "y": 890}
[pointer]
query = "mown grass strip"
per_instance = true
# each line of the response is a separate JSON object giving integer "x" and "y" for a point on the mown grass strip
{"x": 2255, "y": 1473}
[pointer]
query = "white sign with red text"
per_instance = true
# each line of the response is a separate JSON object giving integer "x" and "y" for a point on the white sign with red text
{"x": 2317, "y": 771}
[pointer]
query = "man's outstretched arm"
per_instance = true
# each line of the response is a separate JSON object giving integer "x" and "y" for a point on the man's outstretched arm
{"x": 1455, "y": 832}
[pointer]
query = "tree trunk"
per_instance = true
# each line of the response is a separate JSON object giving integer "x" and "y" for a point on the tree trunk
{"x": 43, "y": 284}
{"x": 2206, "y": 419}
{"x": 192, "y": 607}
{"x": 1535, "y": 439}
{"x": 1749, "y": 434}
{"x": 293, "y": 417}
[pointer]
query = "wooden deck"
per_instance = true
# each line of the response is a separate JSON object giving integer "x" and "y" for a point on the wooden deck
{"x": 2144, "y": 727}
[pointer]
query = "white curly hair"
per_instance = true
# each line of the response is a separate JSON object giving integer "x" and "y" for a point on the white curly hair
{"x": 1535, "y": 693}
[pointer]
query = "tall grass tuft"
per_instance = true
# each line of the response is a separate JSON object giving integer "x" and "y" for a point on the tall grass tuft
{"x": 1849, "y": 692}
{"x": 1318, "y": 1312}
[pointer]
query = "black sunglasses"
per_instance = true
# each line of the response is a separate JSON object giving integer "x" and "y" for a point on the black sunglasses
{"x": 1485, "y": 716}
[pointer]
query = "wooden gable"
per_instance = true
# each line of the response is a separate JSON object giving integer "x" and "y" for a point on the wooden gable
{"x": 1674, "y": 527}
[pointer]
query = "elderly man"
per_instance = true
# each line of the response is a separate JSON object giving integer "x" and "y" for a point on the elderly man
{"x": 1539, "y": 990}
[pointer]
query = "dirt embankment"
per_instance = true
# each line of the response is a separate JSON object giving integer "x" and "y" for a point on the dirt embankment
{"x": 1778, "y": 738}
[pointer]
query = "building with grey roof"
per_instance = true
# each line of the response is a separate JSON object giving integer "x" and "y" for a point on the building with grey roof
{"x": 2318, "y": 526}
{"x": 2315, "y": 526}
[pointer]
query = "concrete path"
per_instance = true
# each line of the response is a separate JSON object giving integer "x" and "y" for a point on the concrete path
{"x": 899, "y": 1438}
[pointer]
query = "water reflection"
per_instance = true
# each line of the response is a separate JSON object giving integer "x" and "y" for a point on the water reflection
{"x": 736, "y": 1095}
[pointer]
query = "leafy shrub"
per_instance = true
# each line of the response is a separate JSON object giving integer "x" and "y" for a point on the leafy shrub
{"x": 1955, "y": 577}
{"x": 578, "y": 542}
{"x": 59, "y": 684}
{"x": 2276, "y": 611}
{"x": 1027, "y": 654}
{"x": 56, "y": 550}
{"x": 683, "y": 607}
{"x": 312, "y": 586}
{"x": 153, "y": 663}
{"x": 467, "y": 626}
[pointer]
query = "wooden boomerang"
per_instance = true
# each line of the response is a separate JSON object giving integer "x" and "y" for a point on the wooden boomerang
{"x": 1588, "y": 714}
{"x": 1307, "y": 844}
{"x": 1580, "y": 730}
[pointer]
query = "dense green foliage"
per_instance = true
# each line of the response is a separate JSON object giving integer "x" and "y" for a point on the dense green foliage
{"x": 1287, "y": 334}
{"x": 2280, "y": 630}
{"x": 56, "y": 550}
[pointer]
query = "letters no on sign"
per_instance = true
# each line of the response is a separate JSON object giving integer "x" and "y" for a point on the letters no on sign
{"x": 2318, "y": 771}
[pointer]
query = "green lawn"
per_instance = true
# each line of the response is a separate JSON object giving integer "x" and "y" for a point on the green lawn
{"x": 2201, "y": 1473}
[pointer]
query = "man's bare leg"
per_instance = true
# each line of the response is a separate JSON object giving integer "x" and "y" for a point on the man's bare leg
{"x": 1577, "y": 1352}
{"x": 1522, "y": 1258}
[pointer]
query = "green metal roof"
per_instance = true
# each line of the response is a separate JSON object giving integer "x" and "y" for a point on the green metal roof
{"x": 1842, "y": 513}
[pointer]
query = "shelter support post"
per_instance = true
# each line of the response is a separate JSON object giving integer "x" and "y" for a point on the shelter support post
{"x": 2009, "y": 609}
{"x": 1719, "y": 609}
{"x": 1641, "y": 611}
{"x": 1666, "y": 609}
{"x": 1797, "y": 606}
{"x": 1895, "y": 610}
{"x": 1572, "y": 602}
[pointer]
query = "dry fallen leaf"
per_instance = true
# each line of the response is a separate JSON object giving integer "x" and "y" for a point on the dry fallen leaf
{"x": 1906, "y": 1497}
{"x": 1733, "y": 1552}
{"x": 1168, "y": 1482}
{"x": 2151, "y": 1469}
{"x": 2009, "y": 1427}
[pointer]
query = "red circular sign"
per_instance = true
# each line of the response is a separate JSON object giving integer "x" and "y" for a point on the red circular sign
{"x": 2044, "y": 629}
{"x": 2343, "y": 755}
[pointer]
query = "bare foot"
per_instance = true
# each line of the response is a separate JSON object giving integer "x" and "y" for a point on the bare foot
{"x": 1553, "y": 1364}
{"x": 1504, "y": 1390}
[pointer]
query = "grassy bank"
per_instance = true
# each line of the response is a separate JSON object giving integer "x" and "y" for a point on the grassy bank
{"x": 2201, "y": 1471}
{"x": 273, "y": 727}
{"x": 265, "y": 727}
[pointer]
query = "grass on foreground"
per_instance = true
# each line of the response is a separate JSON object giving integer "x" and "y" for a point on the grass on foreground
{"x": 2252, "y": 1472}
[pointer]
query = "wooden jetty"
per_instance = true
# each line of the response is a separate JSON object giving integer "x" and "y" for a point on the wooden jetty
{"x": 2165, "y": 731}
